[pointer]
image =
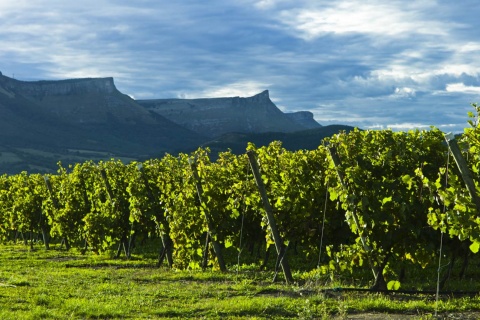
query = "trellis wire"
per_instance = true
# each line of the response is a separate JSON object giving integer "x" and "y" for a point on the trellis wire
{"x": 441, "y": 240}
{"x": 323, "y": 227}
{"x": 243, "y": 218}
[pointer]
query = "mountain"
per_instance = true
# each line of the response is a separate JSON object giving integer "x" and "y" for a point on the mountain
{"x": 73, "y": 119}
{"x": 213, "y": 117}
{"x": 43, "y": 122}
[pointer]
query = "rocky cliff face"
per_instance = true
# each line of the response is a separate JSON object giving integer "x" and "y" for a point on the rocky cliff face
{"x": 79, "y": 101}
{"x": 41, "y": 89}
{"x": 84, "y": 114}
{"x": 217, "y": 116}
{"x": 97, "y": 101}
{"x": 304, "y": 118}
{"x": 71, "y": 117}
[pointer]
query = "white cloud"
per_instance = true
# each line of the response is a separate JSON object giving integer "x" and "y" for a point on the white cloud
{"x": 462, "y": 88}
{"x": 407, "y": 126}
{"x": 236, "y": 89}
{"x": 266, "y": 4}
{"x": 367, "y": 63}
{"x": 468, "y": 47}
{"x": 411, "y": 126}
{"x": 404, "y": 92}
{"x": 423, "y": 76}
{"x": 377, "y": 18}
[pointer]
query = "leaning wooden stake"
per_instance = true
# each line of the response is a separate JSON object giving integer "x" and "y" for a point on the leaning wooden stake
{"x": 123, "y": 241}
{"x": 279, "y": 245}
{"x": 44, "y": 224}
{"x": 211, "y": 229}
{"x": 50, "y": 192}
{"x": 379, "y": 280}
{"x": 166, "y": 251}
{"x": 463, "y": 168}
{"x": 338, "y": 165}
{"x": 55, "y": 205}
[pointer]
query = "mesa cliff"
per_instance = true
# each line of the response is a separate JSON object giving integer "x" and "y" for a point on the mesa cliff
{"x": 216, "y": 116}
{"x": 43, "y": 122}
{"x": 81, "y": 116}
{"x": 45, "y": 88}
{"x": 89, "y": 100}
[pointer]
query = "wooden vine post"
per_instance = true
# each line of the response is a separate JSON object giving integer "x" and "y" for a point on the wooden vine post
{"x": 103, "y": 173}
{"x": 50, "y": 192}
{"x": 379, "y": 280}
{"x": 211, "y": 234}
{"x": 55, "y": 205}
{"x": 165, "y": 235}
{"x": 123, "y": 241}
{"x": 279, "y": 245}
{"x": 463, "y": 168}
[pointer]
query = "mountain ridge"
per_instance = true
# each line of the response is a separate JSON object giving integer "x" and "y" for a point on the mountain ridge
{"x": 74, "y": 120}
{"x": 80, "y": 114}
{"x": 58, "y": 87}
{"x": 216, "y": 116}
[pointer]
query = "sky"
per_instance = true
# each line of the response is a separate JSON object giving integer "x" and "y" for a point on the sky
{"x": 374, "y": 64}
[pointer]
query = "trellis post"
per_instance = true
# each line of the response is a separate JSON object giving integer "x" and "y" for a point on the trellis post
{"x": 279, "y": 245}
{"x": 379, "y": 280}
{"x": 211, "y": 229}
{"x": 463, "y": 168}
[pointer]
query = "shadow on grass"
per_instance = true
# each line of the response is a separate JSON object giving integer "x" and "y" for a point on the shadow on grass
{"x": 269, "y": 312}
{"x": 105, "y": 265}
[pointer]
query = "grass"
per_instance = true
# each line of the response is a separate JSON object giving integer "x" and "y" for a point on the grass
{"x": 56, "y": 284}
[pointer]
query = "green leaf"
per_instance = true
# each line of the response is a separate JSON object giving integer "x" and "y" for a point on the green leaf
{"x": 387, "y": 199}
{"x": 393, "y": 285}
{"x": 475, "y": 246}
{"x": 333, "y": 195}
{"x": 406, "y": 179}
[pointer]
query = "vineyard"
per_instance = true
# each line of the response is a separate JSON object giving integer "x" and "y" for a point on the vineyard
{"x": 381, "y": 201}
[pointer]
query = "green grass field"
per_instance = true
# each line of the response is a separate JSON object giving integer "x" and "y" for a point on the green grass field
{"x": 56, "y": 284}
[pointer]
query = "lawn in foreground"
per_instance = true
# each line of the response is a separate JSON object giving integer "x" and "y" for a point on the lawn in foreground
{"x": 56, "y": 284}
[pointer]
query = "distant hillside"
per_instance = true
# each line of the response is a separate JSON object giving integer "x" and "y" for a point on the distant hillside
{"x": 216, "y": 116}
{"x": 43, "y": 122}
{"x": 82, "y": 115}
{"x": 306, "y": 139}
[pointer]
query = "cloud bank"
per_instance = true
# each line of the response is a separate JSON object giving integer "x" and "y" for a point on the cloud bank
{"x": 372, "y": 64}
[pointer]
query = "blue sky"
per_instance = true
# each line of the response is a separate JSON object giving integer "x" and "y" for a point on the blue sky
{"x": 371, "y": 63}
